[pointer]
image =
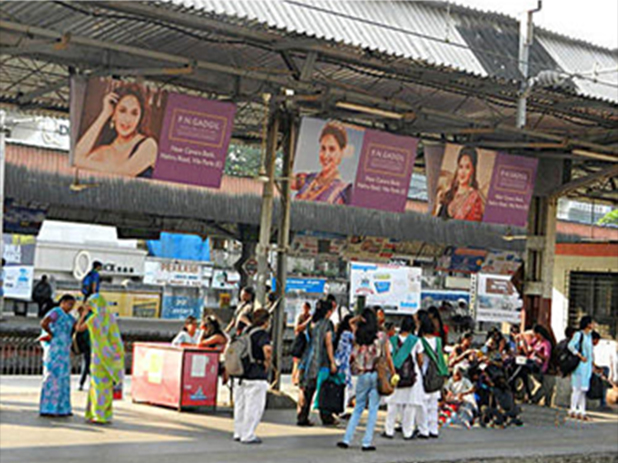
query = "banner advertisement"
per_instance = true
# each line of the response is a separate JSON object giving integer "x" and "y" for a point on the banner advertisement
{"x": 484, "y": 186}
{"x": 173, "y": 273}
{"x": 502, "y": 263}
{"x": 465, "y": 260}
{"x": 313, "y": 243}
{"x": 394, "y": 287}
{"x": 338, "y": 163}
{"x": 225, "y": 279}
{"x": 18, "y": 252}
{"x": 497, "y": 299}
{"x": 23, "y": 219}
{"x": 440, "y": 297}
{"x": 131, "y": 129}
{"x": 124, "y": 304}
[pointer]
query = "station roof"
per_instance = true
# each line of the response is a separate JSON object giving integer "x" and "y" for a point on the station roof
{"x": 450, "y": 72}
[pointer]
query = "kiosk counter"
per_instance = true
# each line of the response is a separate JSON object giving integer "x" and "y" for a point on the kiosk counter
{"x": 179, "y": 377}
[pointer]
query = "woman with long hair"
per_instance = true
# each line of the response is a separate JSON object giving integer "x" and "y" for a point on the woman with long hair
{"x": 369, "y": 345}
{"x": 107, "y": 365}
{"x": 212, "y": 335}
{"x": 441, "y": 330}
{"x": 318, "y": 361}
{"x": 344, "y": 343}
{"x": 57, "y": 327}
{"x": 581, "y": 347}
{"x": 431, "y": 352}
{"x": 326, "y": 185}
{"x": 463, "y": 200}
{"x": 118, "y": 141}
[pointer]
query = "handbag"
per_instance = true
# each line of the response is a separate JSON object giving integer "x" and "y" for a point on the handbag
{"x": 332, "y": 396}
{"x": 385, "y": 387}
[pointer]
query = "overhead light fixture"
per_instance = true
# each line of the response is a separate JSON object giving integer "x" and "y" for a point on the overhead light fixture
{"x": 593, "y": 155}
{"x": 508, "y": 236}
{"x": 369, "y": 110}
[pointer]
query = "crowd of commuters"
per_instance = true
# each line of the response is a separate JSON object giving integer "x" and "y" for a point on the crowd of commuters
{"x": 364, "y": 362}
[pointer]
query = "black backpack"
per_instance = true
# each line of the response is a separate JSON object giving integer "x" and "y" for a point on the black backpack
{"x": 567, "y": 362}
{"x": 406, "y": 372}
{"x": 433, "y": 381}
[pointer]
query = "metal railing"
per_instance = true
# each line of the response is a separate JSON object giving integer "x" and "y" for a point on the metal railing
{"x": 23, "y": 355}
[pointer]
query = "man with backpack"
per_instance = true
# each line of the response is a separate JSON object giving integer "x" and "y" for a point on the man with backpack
{"x": 248, "y": 360}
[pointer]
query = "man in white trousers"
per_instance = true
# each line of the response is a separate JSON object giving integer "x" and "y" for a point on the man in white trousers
{"x": 250, "y": 400}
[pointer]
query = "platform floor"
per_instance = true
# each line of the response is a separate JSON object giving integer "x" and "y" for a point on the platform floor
{"x": 142, "y": 433}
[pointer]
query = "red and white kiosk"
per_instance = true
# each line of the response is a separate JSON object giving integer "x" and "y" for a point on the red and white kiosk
{"x": 180, "y": 377}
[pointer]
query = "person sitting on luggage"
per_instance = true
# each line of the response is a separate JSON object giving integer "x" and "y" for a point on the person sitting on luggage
{"x": 459, "y": 399}
{"x": 188, "y": 334}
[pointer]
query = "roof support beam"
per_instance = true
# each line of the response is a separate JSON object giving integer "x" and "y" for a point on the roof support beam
{"x": 583, "y": 182}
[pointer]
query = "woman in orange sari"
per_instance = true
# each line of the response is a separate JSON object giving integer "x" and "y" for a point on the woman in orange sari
{"x": 463, "y": 200}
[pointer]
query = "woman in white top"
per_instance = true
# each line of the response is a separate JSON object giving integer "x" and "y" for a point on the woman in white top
{"x": 407, "y": 399}
{"x": 188, "y": 334}
{"x": 428, "y": 422}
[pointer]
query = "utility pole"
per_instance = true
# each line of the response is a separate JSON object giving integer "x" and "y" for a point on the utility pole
{"x": 3, "y": 130}
{"x": 526, "y": 37}
{"x": 268, "y": 192}
{"x": 283, "y": 240}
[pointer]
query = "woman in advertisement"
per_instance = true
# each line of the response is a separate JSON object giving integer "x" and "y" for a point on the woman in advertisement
{"x": 118, "y": 140}
{"x": 463, "y": 200}
{"x": 326, "y": 186}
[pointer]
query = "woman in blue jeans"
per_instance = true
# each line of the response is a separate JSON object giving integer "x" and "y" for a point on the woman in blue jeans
{"x": 369, "y": 345}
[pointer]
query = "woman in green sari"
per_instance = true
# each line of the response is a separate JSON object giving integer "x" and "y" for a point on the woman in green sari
{"x": 107, "y": 363}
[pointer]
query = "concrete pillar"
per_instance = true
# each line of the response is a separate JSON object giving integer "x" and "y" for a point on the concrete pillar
{"x": 283, "y": 241}
{"x": 268, "y": 192}
{"x": 539, "y": 261}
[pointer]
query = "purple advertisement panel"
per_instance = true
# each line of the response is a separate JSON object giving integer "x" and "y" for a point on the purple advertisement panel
{"x": 483, "y": 186}
{"x": 384, "y": 171}
{"x": 130, "y": 129}
{"x": 339, "y": 163}
{"x": 511, "y": 190}
{"x": 194, "y": 140}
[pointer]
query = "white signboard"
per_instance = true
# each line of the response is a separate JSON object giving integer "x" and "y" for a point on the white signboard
{"x": 497, "y": 299}
{"x": 396, "y": 288}
{"x": 18, "y": 281}
{"x": 225, "y": 279}
{"x": 173, "y": 274}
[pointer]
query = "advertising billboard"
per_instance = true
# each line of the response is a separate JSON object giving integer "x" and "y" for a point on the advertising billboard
{"x": 483, "y": 186}
{"x": 396, "y": 288}
{"x": 131, "y": 129}
{"x": 338, "y": 163}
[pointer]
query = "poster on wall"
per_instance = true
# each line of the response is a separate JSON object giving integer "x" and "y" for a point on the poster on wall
{"x": 502, "y": 263}
{"x": 464, "y": 260}
{"x": 131, "y": 129}
{"x": 338, "y": 163}
{"x": 483, "y": 186}
{"x": 179, "y": 307}
{"x": 497, "y": 299}
{"x": 225, "y": 279}
{"x": 396, "y": 288}
{"x": 18, "y": 253}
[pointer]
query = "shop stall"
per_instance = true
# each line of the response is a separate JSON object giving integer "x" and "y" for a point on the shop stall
{"x": 182, "y": 377}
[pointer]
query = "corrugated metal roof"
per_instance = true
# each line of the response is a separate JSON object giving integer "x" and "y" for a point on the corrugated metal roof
{"x": 424, "y": 31}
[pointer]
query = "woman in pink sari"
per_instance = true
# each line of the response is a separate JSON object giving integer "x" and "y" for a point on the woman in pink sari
{"x": 463, "y": 200}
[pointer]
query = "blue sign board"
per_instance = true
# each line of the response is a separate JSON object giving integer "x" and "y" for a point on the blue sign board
{"x": 304, "y": 285}
{"x": 180, "y": 307}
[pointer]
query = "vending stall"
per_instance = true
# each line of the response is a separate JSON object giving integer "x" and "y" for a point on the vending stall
{"x": 182, "y": 377}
